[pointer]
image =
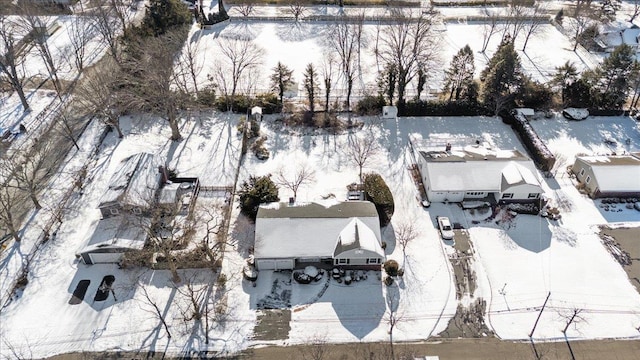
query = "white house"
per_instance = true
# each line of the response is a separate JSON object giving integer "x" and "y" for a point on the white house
{"x": 455, "y": 174}
{"x": 609, "y": 176}
{"x": 290, "y": 236}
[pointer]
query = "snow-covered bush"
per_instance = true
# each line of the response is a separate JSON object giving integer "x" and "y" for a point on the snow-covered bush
{"x": 255, "y": 191}
{"x": 391, "y": 267}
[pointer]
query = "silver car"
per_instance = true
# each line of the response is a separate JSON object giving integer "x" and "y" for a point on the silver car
{"x": 446, "y": 231}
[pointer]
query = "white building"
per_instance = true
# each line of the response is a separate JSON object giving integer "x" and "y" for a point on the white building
{"x": 456, "y": 174}
{"x": 609, "y": 176}
{"x": 290, "y": 236}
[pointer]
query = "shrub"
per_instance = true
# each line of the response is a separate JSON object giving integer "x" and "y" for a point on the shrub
{"x": 207, "y": 97}
{"x": 400, "y": 272}
{"x": 388, "y": 280}
{"x": 391, "y": 267}
{"x": 377, "y": 191}
{"x": 443, "y": 108}
{"x": 163, "y": 15}
{"x": 535, "y": 95}
{"x": 256, "y": 191}
{"x": 370, "y": 105}
{"x": 222, "y": 280}
{"x": 241, "y": 103}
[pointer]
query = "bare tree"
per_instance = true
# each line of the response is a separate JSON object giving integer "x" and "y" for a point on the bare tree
{"x": 635, "y": 10}
{"x": 392, "y": 316}
{"x": 38, "y": 27}
{"x": 360, "y": 149}
{"x": 489, "y": 29}
{"x": 12, "y": 60}
{"x": 189, "y": 67}
{"x": 405, "y": 234}
{"x": 67, "y": 125}
{"x": 32, "y": 169}
{"x": 108, "y": 28}
{"x": 534, "y": 25}
{"x": 80, "y": 34}
{"x": 315, "y": 348}
{"x": 98, "y": 94}
{"x": 572, "y": 317}
{"x": 11, "y": 200}
{"x": 295, "y": 176}
{"x": 195, "y": 294}
{"x": 245, "y": 9}
{"x": 517, "y": 18}
{"x": 155, "y": 308}
{"x": 581, "y": 20}
{"x": 328, "y": 71}
{"x": 344, "y": 39}
{"x": 407, "y": 46}
{"x": 239, "y": 57}
{"x": 150, "y": 82}
{"x": 297, "y": 9}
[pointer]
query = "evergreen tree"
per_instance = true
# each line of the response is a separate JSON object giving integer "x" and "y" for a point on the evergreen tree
{"x": 459, "y": 76}
{"x": 281, "y": 79}
{"x": 387, "y": 83}
{"x": 163, "y": 15}
{"x": 609, "y": 83}
{"x": 565, "y": 75}
{"x": 502, "y": 78}
{"x": 256, "y": 191}
{"x": 311, "y": 85}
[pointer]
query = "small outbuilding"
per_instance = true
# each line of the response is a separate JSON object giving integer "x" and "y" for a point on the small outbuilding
{"x": 608, "y": 176}
{"x": 113, "y": 237}
{"x": 293, "y": 236}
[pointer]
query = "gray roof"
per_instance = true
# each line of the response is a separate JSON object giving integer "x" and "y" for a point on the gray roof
{"x": 346, "y": 209}
{"x": 134, "y": 183}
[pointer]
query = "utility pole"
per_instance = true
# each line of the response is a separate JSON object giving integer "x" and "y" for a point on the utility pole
{"x": 539, "y": 314}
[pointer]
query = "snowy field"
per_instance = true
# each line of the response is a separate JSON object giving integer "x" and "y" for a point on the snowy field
{"x": 298, "y": 44}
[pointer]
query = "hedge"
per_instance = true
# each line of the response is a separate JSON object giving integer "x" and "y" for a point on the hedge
{"x": 269, "y": 103}
{"x": 443, "y": 108}
{"x": 537, "y": 148}
{"x": 377, "y": 191}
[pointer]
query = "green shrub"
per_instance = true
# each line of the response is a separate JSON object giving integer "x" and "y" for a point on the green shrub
{"x": 377, "y": 191}
{"x": 535, "y": 95}
{"x": 443, "y": 108}
{"x": 163, "y": 15}
{"x": 391, "y": 267}
{"x": 256, "y": 191}
{"x": 370, "y": 105}
{"x": 207, "y": 97}
{"x": 269, "y": 103}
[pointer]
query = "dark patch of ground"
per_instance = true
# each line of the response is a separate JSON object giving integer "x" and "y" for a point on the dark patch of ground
{"x": 468, "y": 322}
{"x": 272, "y": 325}
{"x": 624, "y": 245}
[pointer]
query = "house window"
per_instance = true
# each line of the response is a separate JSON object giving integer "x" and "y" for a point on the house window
{"x": 533, "y": 195}
{"x": 342, "y": 261}
{"x": 373, "y": 261}
{"x": 581, "y": 172}
{"x": 588, "y": 179}
{"x": 137, "y": 210}
{"x": 114, "y": 211}
{"x": 507, "y": 196}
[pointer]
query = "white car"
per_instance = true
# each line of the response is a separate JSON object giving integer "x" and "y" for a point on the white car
{"x": 446, "y": 231}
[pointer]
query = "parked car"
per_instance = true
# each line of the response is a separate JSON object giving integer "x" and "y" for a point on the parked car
{"x": 446, "y": 230}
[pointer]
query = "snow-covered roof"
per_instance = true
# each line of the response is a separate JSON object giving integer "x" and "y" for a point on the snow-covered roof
{"x": 516, "y": 174}
{"x": 118, "y": 232}
{"x": 357, "y": 235}
{"x": 314, "y": 230}
{"x": 618, "y": 37}
{"x": 614, "y": 173}
{"x": 476, "y": 168}
{"x": 134, "y": 183}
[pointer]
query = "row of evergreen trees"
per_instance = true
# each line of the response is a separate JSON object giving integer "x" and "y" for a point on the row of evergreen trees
{"x": 503, "y": 84}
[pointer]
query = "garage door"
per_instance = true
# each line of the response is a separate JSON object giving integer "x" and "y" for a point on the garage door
{"x": 278, "y": 264}
{"x": 105, "y": 258}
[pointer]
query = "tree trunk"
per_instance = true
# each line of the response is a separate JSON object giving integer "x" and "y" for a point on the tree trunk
{"x": 173, "y": 123}
{"x": 35, "y": 201}
{"x": 23, "y": 99}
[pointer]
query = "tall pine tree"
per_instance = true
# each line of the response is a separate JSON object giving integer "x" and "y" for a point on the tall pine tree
{"x": 311, "y": 85}
{"x": 281, "y": 79}
{"x": 610, "y": 81}
{"x": 502, "y": 78}
{"x": 459, "y": 76}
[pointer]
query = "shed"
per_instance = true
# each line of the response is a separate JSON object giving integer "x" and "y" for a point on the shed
{"x": 113, "y": 237}
{"x": 609, "y": 176}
